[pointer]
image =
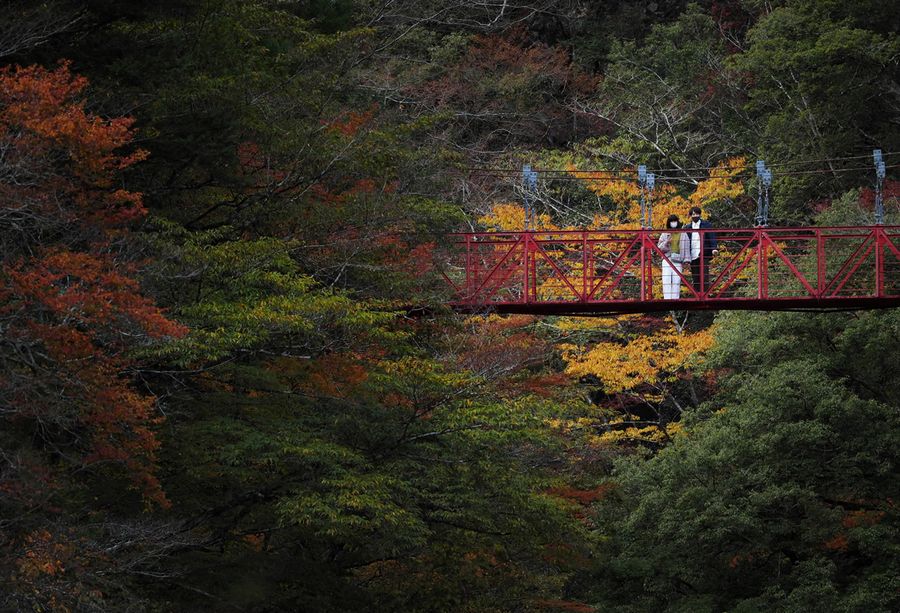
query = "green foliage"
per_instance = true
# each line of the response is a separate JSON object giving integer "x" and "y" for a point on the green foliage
{"x": 324, "y": 451}
{"x": 377, "y": 475}
{"x": 779, "y": 495}
{"x": 816, "y": 72}
{"x": 668, "y": 96}
{"x": 242, "y": 297}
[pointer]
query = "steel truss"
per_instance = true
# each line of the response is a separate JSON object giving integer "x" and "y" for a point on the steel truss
{"x": 619, "y": 271}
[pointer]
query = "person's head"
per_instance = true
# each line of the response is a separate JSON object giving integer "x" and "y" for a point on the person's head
{"x": 696, "y": 213}
{"x": 673, "y": 221}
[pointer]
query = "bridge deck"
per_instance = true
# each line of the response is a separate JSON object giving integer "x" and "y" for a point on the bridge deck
{"x": 620, "y": 271}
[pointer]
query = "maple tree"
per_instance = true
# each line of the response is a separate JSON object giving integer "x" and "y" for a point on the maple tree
{"x": 72, "y": 314}
{"x": 326, "y": 448}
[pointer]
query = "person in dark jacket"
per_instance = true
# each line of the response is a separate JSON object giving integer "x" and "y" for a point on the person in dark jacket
{"x": 700, "y": 257}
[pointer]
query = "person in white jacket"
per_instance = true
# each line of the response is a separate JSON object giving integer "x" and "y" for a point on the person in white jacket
{"x": 677, "y": 247}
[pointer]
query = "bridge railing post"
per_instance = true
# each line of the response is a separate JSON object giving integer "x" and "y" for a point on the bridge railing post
{"x": 643, "y": 264}
{"x": 525, "y": 271}
{"x": 702, "y": 281}
{"x": 470, "y": 283}
{"x": 584, "y": 266}
{"x": 879, "y": 261}
{"x": 646, "y": 265}
{"x": 532, "y": 254}
{"x": 820, "y": 264}
{"x": 762, "y": 265}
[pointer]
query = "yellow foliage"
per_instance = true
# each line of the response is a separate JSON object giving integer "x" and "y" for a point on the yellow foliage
{"x": 591, "y": 324}
{"x": 644, "y": 359}
{"x": 621, "y": 191}
{"x": 626, "y": 358}
{"x": 650, "y": 434}
{"x": 510, "y": 217}
{"x": 625, "y": 194}
{"x": 722, "y": 184}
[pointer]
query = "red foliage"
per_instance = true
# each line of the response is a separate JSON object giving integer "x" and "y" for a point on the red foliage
{"x": 891, "y": 189}
{"x": 350, "y": 123}
{"x": 507, "y": 80}
{"x": 838, "y": 543}
{"x": 547, "y": 70}
{"x": 733, "y": 21}
{"x": 582, "y": 497}
{"x": 740, "y": 558}
{"x": 420, "y": 258}
{"x": 822, "y": 205}
{"x": 336, "y": 375}
{"x": 361, "y": 187}
{"x": 72, "y": 310}
{"x": 43, "y": 122}
{"x": 257, "y": 168}
{"x": 490, "y": 352}
{"x": 853, "y": 519}
{"x": 545, "y": 385}
{"x": 862, "y": 517}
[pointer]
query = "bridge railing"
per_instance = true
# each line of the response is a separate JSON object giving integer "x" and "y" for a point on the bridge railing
{"x": 622, "y": 269}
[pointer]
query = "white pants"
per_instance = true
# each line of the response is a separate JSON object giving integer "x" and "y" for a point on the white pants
{"x": 670, "y": 280}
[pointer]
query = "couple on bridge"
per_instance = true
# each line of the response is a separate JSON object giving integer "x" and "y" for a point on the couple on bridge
{"x": 681, "y": 247}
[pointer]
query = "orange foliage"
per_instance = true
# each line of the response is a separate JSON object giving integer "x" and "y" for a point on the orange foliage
{"x": 510, "y": 217}
{"x": 853, "y": 519}
{"x": 337, "y": 375}
{"x": 582, "y": 497}
{"x": 862, "y": 518}
{"x": 43, "y": 116}
{"x": 254, "y": 541}
{"x": 90, "y": 288}
{"x": 43, "y": 555}
{"x": 736, "y": 560}
{"x": 73, "y": 305}
{"x": 838, "y": 543}
{"x": 350, "y": 123}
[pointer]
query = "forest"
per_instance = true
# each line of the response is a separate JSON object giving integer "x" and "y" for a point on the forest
{"x": 230, "y": 379}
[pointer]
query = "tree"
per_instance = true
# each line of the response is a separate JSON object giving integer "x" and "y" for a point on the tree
{"x": 669, "y": 99}
{"x": 780, "y": 496}
{"x": 72, "y": 317}
{"x": 321, "y": 451}
{"x": 641, "y": 366}
{"x": 818, "y": 77}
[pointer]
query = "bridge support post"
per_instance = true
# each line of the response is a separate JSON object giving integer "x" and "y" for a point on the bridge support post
{"x": 879, "y": 186}
{"x": 584, "y": 266}
{"x": 526, "y": 276}
{"x": 470, "y": 283}
{"x": 820, "y": 264}
{"x": 879, "y": 262}
{"x": 762, "y": 266}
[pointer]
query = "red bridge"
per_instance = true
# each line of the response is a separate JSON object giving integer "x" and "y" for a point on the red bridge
{"x": 620, "y": 271}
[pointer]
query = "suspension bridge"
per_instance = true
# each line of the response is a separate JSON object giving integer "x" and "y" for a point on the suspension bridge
{"x": 590, "y": 272}
{"x": 619, "y": 271}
